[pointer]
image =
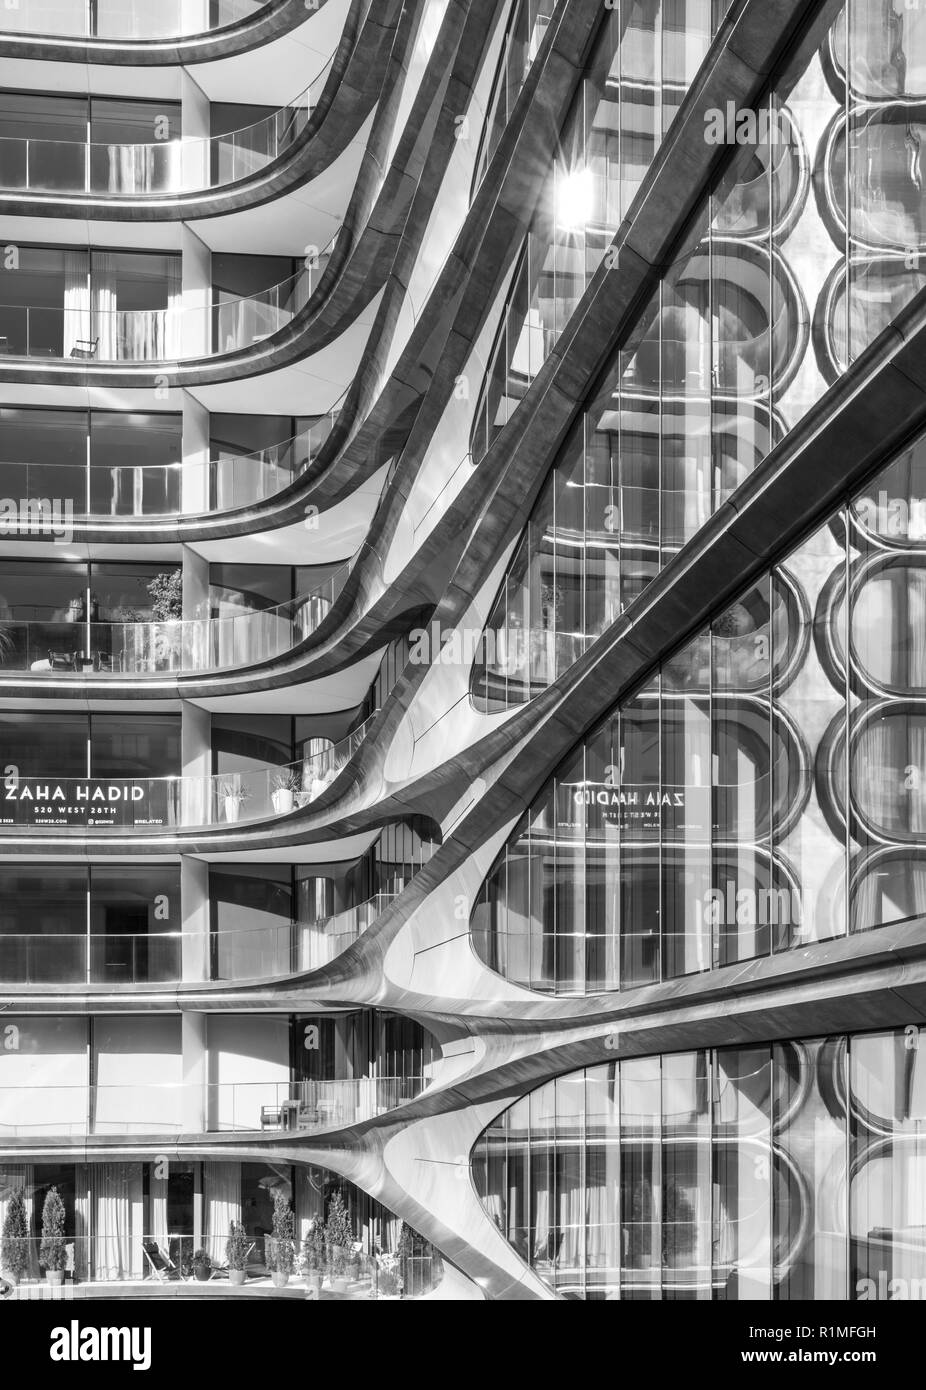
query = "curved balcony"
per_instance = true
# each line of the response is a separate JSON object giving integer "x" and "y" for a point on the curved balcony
{"x": 69, "y": 646}
{"x": 97, "y": 492}
{"x": 246, "y": 1107}
{"x": 157, "y": 958}
{"x": 87, "y": 332}
{"x": 128, "y": 19}
{"x": 164, "y": 803}
{"x": 166, "y": 1257}
{"x": 156, "y": 167}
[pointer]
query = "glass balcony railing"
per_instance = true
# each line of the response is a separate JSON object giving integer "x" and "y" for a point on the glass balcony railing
{"x": 166, "y": 1257}
{"x": 34, "y": 1110}
{"x": 244, "y": 953}
{"x": 155, "y": 167}
{"x": 177, "y": 646}
{"x": 125, "y": 19}
{"x": 63, "y": 491}
{"x": 163, "y": 803}
{"x": 84, "y": 330}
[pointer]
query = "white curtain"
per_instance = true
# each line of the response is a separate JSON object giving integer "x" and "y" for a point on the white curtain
{"x": 158, "y": 1221}
{"x": 105, "y": 319}
{"x": 116, "y": 1194}
{"x": 171, "y": 346}
{"x": 223, "y": 1203}
{"x": 76, "y": 299}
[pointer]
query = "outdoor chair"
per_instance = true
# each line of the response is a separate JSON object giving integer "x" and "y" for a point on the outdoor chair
{"x": 63, "y": 661}
{"x": 85, "y": 348}
{"x": 162, "y": 1266}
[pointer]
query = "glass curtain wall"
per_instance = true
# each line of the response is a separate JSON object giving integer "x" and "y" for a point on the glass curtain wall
{"x": 806, "y": 249}
{"x": 765, "y": 791}
{"x": 785, "y": 1171}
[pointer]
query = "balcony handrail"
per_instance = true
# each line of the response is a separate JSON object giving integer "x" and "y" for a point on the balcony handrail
{"x": 171, "y": 645}
{"x": 216, "y": 470}
{"x": 84, "y": 321}
{"x": 200, "y": 801}
{"x": 240, "y": 10}
{"x": 294, "y": 946}
{"x": 240, "y": 1106}
{"x": 281, "y": 135}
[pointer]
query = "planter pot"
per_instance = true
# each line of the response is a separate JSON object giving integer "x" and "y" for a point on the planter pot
{"x": 237, "y": 1276}
{"x": 55, "y": 1276}
{"x": 201, "y": 1273}
{"x": 314, "y": 1281}
{"x": 283, "y": 801}
{"x": 339, "y": 1285}
{"x": 279, "y": 1280}
{"x": 232, "y": 807}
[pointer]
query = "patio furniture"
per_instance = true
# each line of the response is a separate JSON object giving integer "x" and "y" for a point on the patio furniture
{"x": 271, "y": 1117}
{"x": 63, "y": 661}
{"x": 161, "y": 1265}
{"x": 85, "y": 348}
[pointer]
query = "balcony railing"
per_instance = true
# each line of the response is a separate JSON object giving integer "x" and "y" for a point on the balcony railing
{"x": 165, "y": 803}
{"x": 60, "y": 491}
{"x": 166, "y": 1257}
{"x": 153, "y": 167}
{"x": 136, "y": 958}
{"x": 176, "y": 646}
{"x": 176, "y": 332}
{"x": 125, "y": 19}
{"x": 35, "y": 1109}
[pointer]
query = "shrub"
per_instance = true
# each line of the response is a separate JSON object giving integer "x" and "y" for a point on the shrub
{"x": 53, "y": 1253}
{"x": 237, "y": 1246}
{"x": 282, "y": 1249}
{"x": 14, "y": 1243}
{"x": 339, "y": 1235}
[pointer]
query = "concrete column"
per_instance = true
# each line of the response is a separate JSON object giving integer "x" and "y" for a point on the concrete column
{"x": 195, "y": 594}
{"x": 196, "y": 758}
{"x": 194, "y": 896}
{"x": 194, "y": 496}
{"x": 195, "y": 1112}
{"x": 194, "y": 109}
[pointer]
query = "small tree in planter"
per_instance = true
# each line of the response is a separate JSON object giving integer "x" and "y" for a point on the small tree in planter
{"x": 236, "y": 1252}
{"x": 282, "y": 1249}
{"x": 14, "y": 1243}
{"x": 339, "y": 1237}
{"x": 313, "y": 1254}
{"x": 53, "y": 1251}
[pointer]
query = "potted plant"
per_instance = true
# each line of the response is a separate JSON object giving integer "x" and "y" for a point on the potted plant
{"x": 53, "y": 1251}
{"x": 166, "y": 593}
{"x": 282, "y": 1249}
{"x": 14, "y": 1243}
{"x": 387, "y": 1277}
{"x": 285, "y": 785}
{"x": 202, "y": 1265}
{"x": 231, "y": 794}
{"x": 313, "y": 1255}
{"x": 339, "y": 1237}
{"x": 236, "y": 1253}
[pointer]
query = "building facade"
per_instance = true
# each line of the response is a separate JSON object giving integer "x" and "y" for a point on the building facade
{"x": 462, "y": 566}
